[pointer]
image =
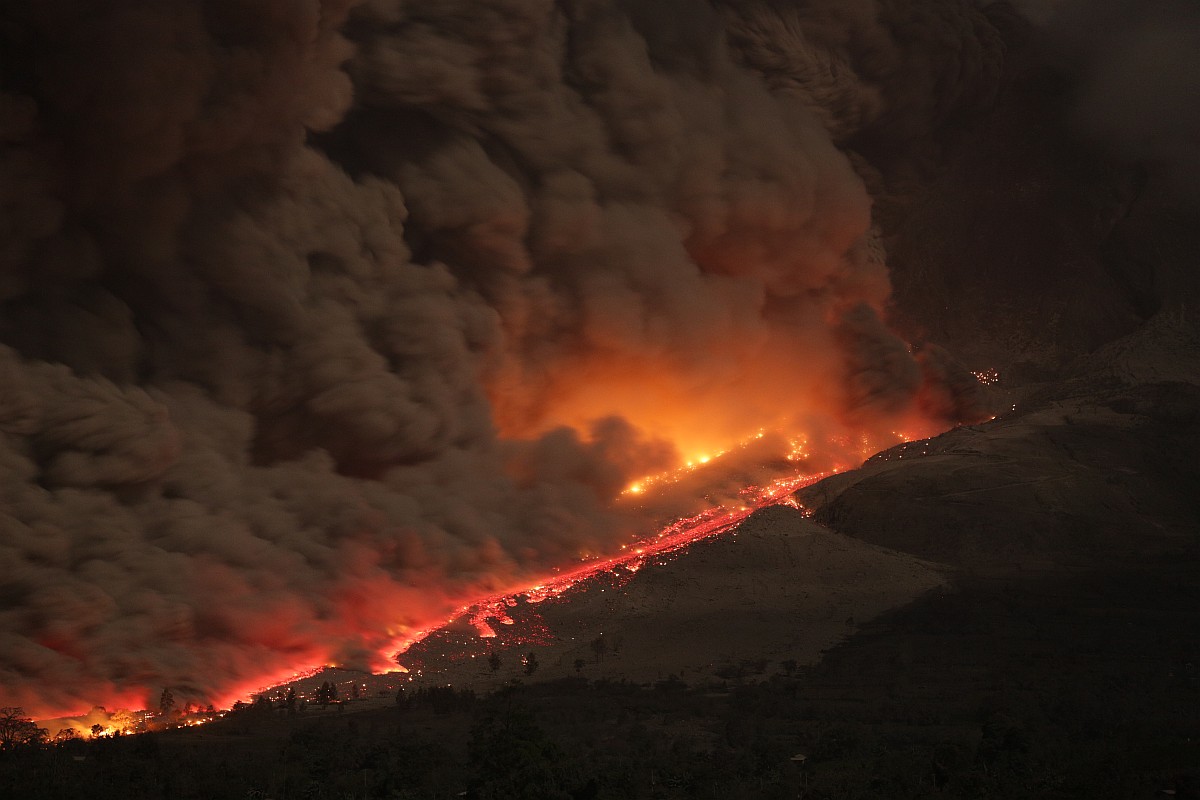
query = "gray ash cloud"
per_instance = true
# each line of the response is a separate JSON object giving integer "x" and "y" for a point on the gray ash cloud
{"x": 295, "y": 298}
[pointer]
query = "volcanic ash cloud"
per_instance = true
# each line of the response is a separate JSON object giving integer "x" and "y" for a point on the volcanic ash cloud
{"x": 318, "y": 318}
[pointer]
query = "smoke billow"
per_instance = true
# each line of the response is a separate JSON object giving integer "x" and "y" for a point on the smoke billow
{"x": 317, "y": 317}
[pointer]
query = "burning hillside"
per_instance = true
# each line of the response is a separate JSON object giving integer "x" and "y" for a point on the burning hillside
{"x": 320, "y": 320}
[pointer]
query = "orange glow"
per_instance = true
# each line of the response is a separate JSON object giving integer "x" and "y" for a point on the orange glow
{"x": 704, "y": 406}
{"x": 791, "y": 470}
{"x": 484, "y": 612}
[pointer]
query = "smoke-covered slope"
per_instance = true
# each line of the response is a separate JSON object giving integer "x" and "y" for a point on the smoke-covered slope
{"x": 317, "y": 319}
{"x": 296, "y": 299}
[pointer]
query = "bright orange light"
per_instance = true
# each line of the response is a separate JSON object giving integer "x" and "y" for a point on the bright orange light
{"x": 486, "y": 611}
{"x": 702, "y": 408}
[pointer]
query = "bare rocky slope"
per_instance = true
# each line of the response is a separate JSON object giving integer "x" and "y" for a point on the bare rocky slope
{"x": 779, "y": 589}
{"x": 1096, "y": 468}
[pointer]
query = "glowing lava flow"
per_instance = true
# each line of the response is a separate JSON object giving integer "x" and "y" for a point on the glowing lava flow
{"x": 774, "y": 452}
{"x": 484, "y": 613}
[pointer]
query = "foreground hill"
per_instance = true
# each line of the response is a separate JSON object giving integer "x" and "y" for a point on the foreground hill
{"x": 780, "y": 588}
{"x": 1094, "y": 469}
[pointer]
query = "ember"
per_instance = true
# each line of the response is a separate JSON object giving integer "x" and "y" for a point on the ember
{"x": 987, "y": 377}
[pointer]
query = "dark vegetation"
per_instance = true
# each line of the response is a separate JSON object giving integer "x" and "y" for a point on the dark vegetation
{"x": 1055, "y": 685}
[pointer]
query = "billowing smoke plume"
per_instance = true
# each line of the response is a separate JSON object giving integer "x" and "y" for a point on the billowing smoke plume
{"x": 316, "y": 317}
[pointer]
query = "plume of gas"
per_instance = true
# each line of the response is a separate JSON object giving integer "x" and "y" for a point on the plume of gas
{"x": 318, "y": 319}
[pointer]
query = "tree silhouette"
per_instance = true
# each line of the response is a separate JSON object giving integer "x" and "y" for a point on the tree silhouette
{"x": 494, "y": 661}
{"x": 531, "y": 663}
{"x": 166, "y": 702}
{"x": 579, "y": 662}
{"x": 17, "y": 729}
{"x": 511, "y": 757}
{"x": 66, "y": 735}
{"x": 599, "y": 646}
{"x": 327, "y": 694}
